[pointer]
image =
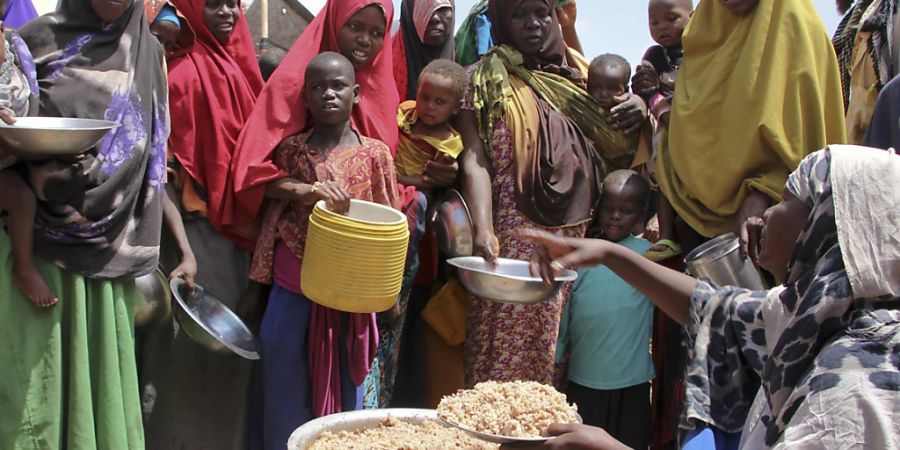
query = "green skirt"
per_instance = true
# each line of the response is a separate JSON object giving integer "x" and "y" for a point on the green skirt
{"x": 68, "y": 377}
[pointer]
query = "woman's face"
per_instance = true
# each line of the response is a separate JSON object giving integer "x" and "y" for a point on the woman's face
{"x": 530, "y": 25}
{"x": 220, "y": 17}
{"x": 740, "y": 7}
{"x": 362, "y": 37}
{"x": 110, "y": 10}
{"x": 439, "y": 28}
{"x": 783, "y": 224}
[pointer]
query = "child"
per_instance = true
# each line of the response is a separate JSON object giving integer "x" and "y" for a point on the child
{"x": 608, "y": 77}
{"x": 425, "y": 130}
{"x": 18, "y": 201}
{"x": 606, "y": 325}
{"x": 269, "y": 59}
{"x": 315, "y": 358}
{"x": 167, "y": 29}
{"x": 654, "y": 80}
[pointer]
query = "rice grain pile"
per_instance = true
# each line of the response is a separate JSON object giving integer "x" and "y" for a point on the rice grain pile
{"x": 516, "y": 409}
{"x": 394, "y": 434}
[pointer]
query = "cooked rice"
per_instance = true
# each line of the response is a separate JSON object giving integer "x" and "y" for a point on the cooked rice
{"x": 514, "y": 409}
{"x": 394, "y": 434}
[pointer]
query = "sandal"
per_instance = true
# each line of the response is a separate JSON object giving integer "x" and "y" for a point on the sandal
{"x": 672, "y": 249}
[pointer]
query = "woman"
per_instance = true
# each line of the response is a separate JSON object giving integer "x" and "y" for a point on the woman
{"x": 765, "y": 121}
{"x": 864, "y": 41}
{"x": 192, "y": 397}
{"x": 825, "y": 343}
{"x": 426, "y": 34}
{"x": 515, "y": 179}
{"x": 70, "y": 378}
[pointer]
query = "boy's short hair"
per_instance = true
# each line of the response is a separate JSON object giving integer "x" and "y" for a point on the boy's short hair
{"x": 612, "y": 60}
{"x": 450, "y": 70}
{"x": 689, "y": 4}
{"x": 624, "y": 178}
{"x": 269, "y": 60}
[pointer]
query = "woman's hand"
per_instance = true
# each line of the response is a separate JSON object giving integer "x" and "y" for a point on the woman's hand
{"x": 441, "y": 172}
{"x": 630, "y": 114}
{"x": 645, "y": 81}
{"x": 567, "y": 13}
{"x": 572, "y": 437}
{"x": 555, "y": 253}
{"x": 486, "y": 246}
{"x": 750, "y": 222}
{"x": 186, "y": 270}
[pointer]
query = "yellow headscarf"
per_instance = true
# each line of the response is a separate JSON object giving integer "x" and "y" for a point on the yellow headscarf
{"x": 754, "y": 95}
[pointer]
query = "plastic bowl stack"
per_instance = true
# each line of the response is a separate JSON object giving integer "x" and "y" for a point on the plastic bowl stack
{"x": 354, "y": 263}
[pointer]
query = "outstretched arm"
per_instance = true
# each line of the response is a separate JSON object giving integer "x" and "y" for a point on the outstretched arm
{"x": 669, "y": 290}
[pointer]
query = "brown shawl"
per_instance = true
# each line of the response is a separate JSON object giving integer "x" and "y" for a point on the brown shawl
{"x": 101, "y": 216}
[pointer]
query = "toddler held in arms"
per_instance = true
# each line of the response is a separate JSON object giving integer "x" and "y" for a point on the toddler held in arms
{"x": 425, "y": 131}
{"x": 18, "y": 200}
{"x": 606, "y": 325}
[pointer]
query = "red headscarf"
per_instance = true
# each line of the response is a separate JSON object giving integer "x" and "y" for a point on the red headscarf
{"x": 280, "y": 111}
{"x": 212, "y": 89}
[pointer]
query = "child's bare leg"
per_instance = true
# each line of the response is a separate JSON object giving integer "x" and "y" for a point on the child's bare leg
{"x": 20, "y": 205}
{"x": 665, "y": 216}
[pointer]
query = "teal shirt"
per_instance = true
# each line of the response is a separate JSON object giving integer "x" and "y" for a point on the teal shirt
{"x": 606, "y": 326}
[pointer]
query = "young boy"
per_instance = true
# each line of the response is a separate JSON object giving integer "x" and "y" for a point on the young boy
{"x": 608, "y": 77}
{"x": 606, "y": 325}
{"x": 425, "y": 131}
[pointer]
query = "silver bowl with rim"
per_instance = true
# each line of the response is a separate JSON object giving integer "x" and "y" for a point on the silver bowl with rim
{"x": 510, "y": 282}
{"x": 452, "y": 225}
{"x": 37, "y": 138}
{"x": 155, "y": 306}
{"x": 208, "y": 322}
{"x": 303, "y": 437}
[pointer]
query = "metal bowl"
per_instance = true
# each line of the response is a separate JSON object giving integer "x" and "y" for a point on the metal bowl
{"x": 156, "y": 300}
{"x": 452, "y": 225}
{"x": 510, "y": 282}
{"x": 500, "y": 439}
{"x": 304, "y": 436}
{"x": 35, "y": 138}
{"x": 211, "y": 324}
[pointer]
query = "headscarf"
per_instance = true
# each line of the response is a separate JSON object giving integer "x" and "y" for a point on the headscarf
{"x": 411, "y": 55}
{"x": 101, "y": 216}
{"x": 18, "y": 13}
{"x": 280, "y": 111}
{"x": 884, "y": 131}
{"x": 876, "y": 17}
{"x": 213, "y": 89}
{"x": 843, "y": 280}
{"x": 754, "y": 95}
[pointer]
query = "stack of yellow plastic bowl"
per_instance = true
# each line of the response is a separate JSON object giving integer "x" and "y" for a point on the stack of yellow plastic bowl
{"x": 354, "y": 263}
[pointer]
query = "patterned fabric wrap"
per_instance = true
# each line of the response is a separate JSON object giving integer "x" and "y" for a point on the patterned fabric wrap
{"x": 880, "y": 42}
{"x": 101, "y": 216}
{"x": 811, "y": 342}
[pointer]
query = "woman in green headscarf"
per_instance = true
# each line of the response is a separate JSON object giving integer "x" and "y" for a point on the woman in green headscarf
{"x": 757, "y": 91}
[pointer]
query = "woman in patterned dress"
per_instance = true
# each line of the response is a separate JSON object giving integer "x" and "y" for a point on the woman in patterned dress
{"x": 516, "y": 178}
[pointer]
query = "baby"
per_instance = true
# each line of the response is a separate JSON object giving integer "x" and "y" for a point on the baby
{"x": 425, "y": 131}
{"x": 608, "y": 77}
{"x": 654, "y": 79}
{"x": 167, "y": 29}
{"x": 18, "y": 200}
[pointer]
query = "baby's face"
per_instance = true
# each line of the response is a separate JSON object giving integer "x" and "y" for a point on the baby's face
{"x": 436, "y": 99}
{"x": 668, "y": 18}
{"x": 168, "y": 34}
{"x": 606, "y": 82}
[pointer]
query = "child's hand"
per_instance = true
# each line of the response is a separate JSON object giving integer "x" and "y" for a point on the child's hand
{"x": 336, "y": 197}
{"x": 645, "y": 81}
{"x": 630, "y": 113}
{"x": 566, "y": 14}
{"x": 6, "y": 114}
{"x": 441, "y": 172}
{"x": 187, "y": 271}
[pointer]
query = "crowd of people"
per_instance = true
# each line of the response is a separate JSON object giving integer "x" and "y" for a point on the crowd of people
{"x": 737, "y": 120}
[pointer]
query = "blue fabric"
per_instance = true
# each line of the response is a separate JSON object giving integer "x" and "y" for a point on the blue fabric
{"x": 606, "y": 327}
{"x": 483, "y": 38}
{"x": 19, "y": 12}
{"x": 709, "y": 438}
{"x": 167, "y": 13}
{"x": 884, "y": 131}
{"x": 284, "y": 388}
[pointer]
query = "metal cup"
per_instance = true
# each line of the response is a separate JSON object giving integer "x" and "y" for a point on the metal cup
{"x": 720, "y": 261}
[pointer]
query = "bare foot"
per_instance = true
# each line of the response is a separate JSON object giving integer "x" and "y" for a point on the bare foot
{"x": 32, "y": 284}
